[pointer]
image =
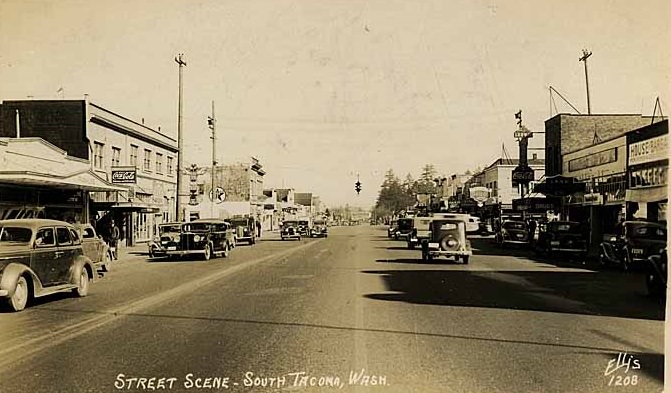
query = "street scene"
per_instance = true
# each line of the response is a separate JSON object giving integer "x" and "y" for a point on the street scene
{"x": 333, "y": 196}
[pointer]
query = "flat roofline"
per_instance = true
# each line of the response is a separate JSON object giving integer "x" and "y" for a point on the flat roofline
{"x": 132, "y": 121}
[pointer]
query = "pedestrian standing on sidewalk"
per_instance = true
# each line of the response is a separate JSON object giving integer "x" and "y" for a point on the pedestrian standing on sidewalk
{"x": 258, "y": 228}
{"x": 113, "y": 239}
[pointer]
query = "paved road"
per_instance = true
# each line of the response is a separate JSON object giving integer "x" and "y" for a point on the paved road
{"x": 355, "y": 312}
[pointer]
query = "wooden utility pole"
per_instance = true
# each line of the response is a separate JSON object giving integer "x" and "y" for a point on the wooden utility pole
{"x": 180, "y": 140}
{"x": 212, "y": 123}
{"x": 585, "y": 55}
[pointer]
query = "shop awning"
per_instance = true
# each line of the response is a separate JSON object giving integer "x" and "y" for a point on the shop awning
{"x": 86, "y": 180}
{"x": 644, "y": 195}
{"x": 141, "y": 207}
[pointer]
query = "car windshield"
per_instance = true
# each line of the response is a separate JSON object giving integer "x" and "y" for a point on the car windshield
{"x": 195, "y": 227}
{"x": 302, "y": 223}
{"x": 514, "y": 225}
{"x": 15, "y": 235}
{"x": 168, "y": 228}
{"x": 564, "y": 226}
{"x": 648, "y": 232}
{"x": 405, "y": 223}
{"x": 239, "y": 222}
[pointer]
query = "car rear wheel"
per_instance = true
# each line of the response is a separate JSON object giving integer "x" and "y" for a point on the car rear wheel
{"x": 19, "y": 299}
{"x": 82, "y": 283}
{"x": 207, "y": 254}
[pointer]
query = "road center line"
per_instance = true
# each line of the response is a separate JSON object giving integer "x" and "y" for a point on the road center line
{"x": 13, "y": 354}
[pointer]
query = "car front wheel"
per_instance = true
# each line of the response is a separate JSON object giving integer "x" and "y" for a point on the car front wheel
{"x": 82, "y": 283}
{"x": 207, "y": 254}
{"x": 19, "y": 299}
{"x": 225, "y": 252}
{"x": 108, "y": 261}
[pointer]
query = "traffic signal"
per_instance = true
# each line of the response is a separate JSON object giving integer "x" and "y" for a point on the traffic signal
{"x": 518, "y": 117}
{"x": 357, "y": 186}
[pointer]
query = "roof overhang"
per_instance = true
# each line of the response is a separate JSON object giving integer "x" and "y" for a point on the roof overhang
{"x": 86, "y": 181}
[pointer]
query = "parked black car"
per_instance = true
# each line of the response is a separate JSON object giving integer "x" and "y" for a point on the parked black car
{"x": 562, "y": 237}
{"x": 204, "y": 237}
{"x": 244, "y": 229}
{"x": 319, "y": 229}
{"x": 632, "y": 243}
{"x": 656, "y": 275}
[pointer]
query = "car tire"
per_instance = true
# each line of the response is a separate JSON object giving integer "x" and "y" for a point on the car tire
{"x": 108, "y": 262}
{"x": 207, "y": 252}
{"x": 19, "y": 298}
{"x": 654, "y": 285}
{"x": 465, "y": 259}
{"x": 82, "y": 283}
{"x": 226, "y": 251}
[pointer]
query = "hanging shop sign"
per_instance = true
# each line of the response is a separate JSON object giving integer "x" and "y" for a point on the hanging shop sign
{"x": 126, "y": 175}
{"x": 479, "y": 194}
{"x": 522, "y": 175}
{"x": 649, "y": 150}
{"x": 648, "y": 177}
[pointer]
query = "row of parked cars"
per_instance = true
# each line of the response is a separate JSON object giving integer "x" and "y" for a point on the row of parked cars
{"x": 39, "y": 257}
{"x": 297, "y": 229}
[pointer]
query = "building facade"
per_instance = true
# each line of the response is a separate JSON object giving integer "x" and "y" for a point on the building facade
{"x": 119, "y": 150}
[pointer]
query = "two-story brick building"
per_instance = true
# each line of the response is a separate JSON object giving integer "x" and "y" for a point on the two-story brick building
{"x": 138, "y": 158}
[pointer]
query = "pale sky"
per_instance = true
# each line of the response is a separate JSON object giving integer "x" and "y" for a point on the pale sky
{"x": 322, "y": 90}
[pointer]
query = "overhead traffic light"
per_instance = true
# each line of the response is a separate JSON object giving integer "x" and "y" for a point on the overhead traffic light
{"x": 357, "y": 186}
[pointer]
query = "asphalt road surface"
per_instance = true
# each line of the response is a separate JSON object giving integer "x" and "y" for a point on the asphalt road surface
{"x": 354, "y": 312}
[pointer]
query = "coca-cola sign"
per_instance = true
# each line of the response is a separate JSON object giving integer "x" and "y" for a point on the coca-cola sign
{"x": 124, "y": 176}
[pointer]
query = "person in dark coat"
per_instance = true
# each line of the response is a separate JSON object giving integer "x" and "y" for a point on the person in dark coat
{"x": 258, "y": 228}
{"x": 113, "y": 239}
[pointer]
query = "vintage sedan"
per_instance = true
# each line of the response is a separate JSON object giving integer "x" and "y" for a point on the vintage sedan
{"x": 562, "y": 237}
{"x": 513, "y": 232}
{"x": 204, "y": 237}
{"x": 632, "y": 243}
{"x": 290, "y": 230}
{"x": 319, "y": 229}
{"x": 95, "y": 248}
{"x": 167, "y": 233}
{"x": 244, "y": 229}
{"x": 447, "y": 238}
{"x": 40, "y": 257}
{"x": 403, "y": 228}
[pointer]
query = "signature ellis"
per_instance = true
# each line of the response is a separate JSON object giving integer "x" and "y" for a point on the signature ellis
{"x": 618, "y": 369}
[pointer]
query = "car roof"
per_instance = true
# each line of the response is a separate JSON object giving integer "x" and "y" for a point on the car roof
{"x": 34, "y": 222}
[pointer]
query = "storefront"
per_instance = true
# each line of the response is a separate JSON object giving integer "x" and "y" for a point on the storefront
{"x": 39, "y": 180}
{"x": 647, "y": 170}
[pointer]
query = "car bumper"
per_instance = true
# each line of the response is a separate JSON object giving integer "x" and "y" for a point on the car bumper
{"x": 184, "y": 252}
{"x": 565, "y": 249}
{"x": 450, "y": 253}
{"x": 508, "y": 241}
{"x": 4, "y": 293}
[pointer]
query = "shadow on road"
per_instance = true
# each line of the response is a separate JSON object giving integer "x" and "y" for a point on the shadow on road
{"x": 591, "y": 293}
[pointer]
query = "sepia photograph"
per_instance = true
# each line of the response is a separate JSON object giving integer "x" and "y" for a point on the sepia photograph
{"x": 313, "y": 196}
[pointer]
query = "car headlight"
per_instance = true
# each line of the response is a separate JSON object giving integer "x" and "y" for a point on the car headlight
{"x": 451, "y": 243}
{"x": 196, "y": 238}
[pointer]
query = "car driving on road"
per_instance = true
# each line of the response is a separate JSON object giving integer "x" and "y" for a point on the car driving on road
{"x": 204, "y": 237}
{"x": 40, "y": 257}
{"x": 447, "y": 238}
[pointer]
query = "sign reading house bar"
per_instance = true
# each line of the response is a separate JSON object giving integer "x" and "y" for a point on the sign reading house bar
{"x": 124, "y": 175}
{"x": 649, "y": 150}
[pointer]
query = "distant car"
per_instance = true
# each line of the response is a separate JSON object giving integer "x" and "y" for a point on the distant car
{"x": 244, "y": 229}
{"x": 40, "y": 257}
{"x": 472, "y": 222}
{"x": 319, "y": 229}
{"x": 513, "y": 232}
{"x": 632, "y": 243}
{"x": 167, "y": 233}
{"x": 656, "y": 274}
{"x": 420, "y": 231}
{"x": 204, "y": 237}
{"x": 562, "y": 237}
{"x": 290, "y": 230}
{"x": 404, "y": 228}
{"x": 448, "y": 239}
{"x": 95, "y": 248}
{"x": 392, "y": 230}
